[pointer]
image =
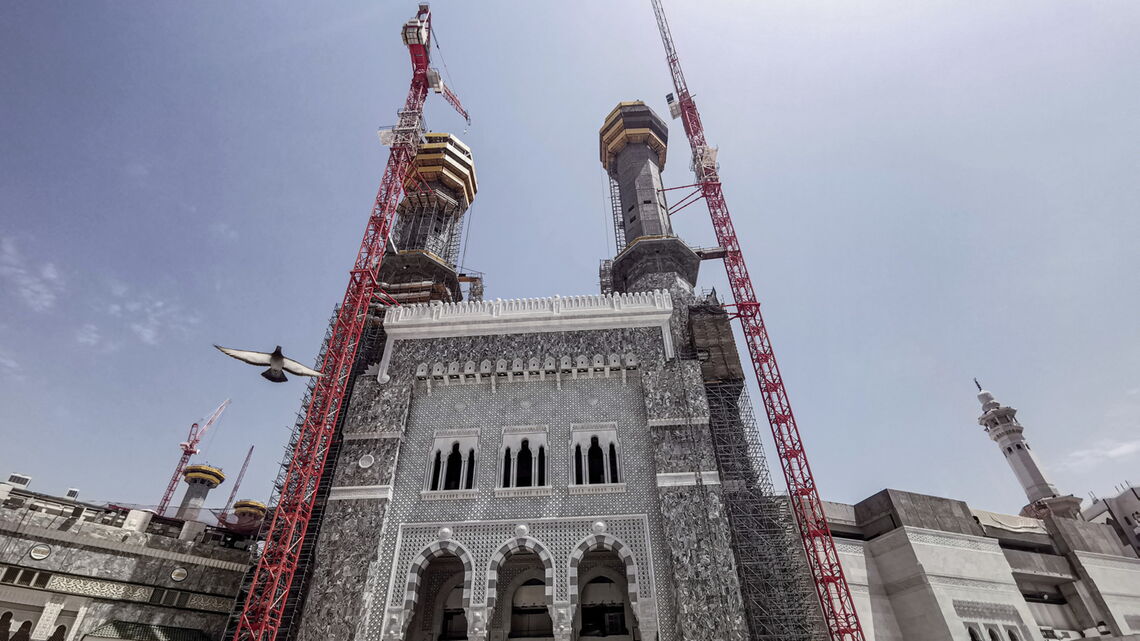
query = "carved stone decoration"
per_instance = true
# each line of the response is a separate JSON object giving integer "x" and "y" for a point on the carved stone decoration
{"x": 599, "y": 527}
{"x": 444, "y": 534}
{"x": 395, "y": 627}
{"x": 563, "y": 619}
{"x": 477, "y": 623}
{"x": 521, "y": 530}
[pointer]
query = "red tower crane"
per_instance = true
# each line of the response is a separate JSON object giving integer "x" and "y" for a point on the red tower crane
{"x": 189, "y": 448}
{"x": 272, "y": 578}
{"x": 819, "y": 548}
{"x": 237, "y": 484}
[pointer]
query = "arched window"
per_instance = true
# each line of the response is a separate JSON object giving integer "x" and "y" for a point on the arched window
{"x": 541, "y": 466}
{"x": 595, "y": 461}
{"x": 507, "y": 467}
{"x": 529, "y": 616}
{"x": 578, "y": 464}
{"x": 524, "y": 474}
{"x": 994, "y": 636}
{"x": 1018, "y": 447}
{"x": 59, "y": 634}
{"x": 5, "y": 625}
{"x": 613, "y": 464}
{"x": 435, "y": 472}
{"x": 1013, "y": 636}
{"x": 974, "y": 635}
{"x": 470, "y": 480}
{"x": 24, "y": 633}
{"x": 454, "y": 469}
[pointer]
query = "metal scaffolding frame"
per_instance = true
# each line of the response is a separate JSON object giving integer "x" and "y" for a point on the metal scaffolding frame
{"x": 431, "y": 219}
{"x": 619, "y": 219}
{"x": 371, "y": 349}
{"x": 775, "y": 582}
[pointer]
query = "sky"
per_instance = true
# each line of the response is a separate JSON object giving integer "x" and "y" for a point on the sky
{"x": 926, "y": 193}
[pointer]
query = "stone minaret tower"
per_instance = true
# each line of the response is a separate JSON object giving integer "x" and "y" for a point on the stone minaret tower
{"x": 420, "y": 266}
{"x": 1000, "y": 422}
{"x": 633, "y": 143}
{"x": 200, "y": 479}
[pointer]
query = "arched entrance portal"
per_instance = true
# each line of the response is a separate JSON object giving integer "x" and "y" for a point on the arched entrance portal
{"x": 604, "y": 610}
{"x": 439, "y": 613}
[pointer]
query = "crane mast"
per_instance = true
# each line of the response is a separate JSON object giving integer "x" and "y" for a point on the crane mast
{"x": 819, "y": 547}
{"x": 189, "y": 448}
{"x": 273, "y": 577}
{"x": 237, "y": 484}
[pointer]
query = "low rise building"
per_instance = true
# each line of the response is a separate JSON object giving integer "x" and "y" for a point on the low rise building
{"x": 74, "y": 570}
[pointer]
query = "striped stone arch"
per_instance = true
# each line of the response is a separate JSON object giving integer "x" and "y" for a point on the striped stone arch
{"x": 512, "y": 546}
{"x": 605, "y": 542}
{"x": 420, "y": 563}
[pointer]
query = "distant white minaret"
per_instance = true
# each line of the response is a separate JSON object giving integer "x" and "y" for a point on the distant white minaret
{"x": 1001, "y": 424}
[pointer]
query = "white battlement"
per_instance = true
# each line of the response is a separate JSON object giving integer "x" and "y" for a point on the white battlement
{"x": 529, "y": 316}
{"x": 658, "y": 300}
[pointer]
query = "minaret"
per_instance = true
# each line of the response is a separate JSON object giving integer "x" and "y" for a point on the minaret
{"x": 1004, "y": 429}
{"x": 633, "y": 143}
{"x": 200, "y": 479}
{"x": 420, "y": 264}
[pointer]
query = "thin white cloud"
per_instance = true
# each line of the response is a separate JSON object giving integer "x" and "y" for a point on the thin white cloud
{"x": 38, "y": 287}
{"x": 89, "y": 335}
{"x": 1103, "y": 451}
{"x": 10, "y": 369}
{"x": 153, "y": 320}
{"x": 223, "y": 231}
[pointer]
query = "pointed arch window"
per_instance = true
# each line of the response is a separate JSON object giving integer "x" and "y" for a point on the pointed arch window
{"x": 595, "y": 462}
{"x": 524, "y": 459}
{"x": 454, "y": 469}
{"x": 451, "y": 465}
{"x": 524, "y": 475}
{"x": 435, "y": 472}
{"x": 596, "y": 455}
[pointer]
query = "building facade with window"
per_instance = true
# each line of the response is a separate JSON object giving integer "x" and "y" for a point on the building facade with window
{"x": 549, "y": 468}
{"x": 71, "y": 570}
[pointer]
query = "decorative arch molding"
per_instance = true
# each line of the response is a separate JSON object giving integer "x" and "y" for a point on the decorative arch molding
{"x": 421, "y": 562}
{"x": 514, "y": 546}
{"x": 613, "y": 544}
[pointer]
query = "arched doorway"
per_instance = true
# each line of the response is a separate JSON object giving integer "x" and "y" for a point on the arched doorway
{"x": 521, "y": 607}
{"x": 439, "y": 612}
{"x": 604, "y": 610}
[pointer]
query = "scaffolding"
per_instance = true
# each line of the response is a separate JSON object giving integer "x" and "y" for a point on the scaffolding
{"x": 606, "y": 277}
{"x": 430, "y": 219}
{"x": 775, "y": 585}
{"x": 619, "y": 219}
{"x": 370, "y": 351}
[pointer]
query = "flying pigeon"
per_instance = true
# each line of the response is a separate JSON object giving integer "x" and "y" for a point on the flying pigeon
{"x": 276, "y": 362}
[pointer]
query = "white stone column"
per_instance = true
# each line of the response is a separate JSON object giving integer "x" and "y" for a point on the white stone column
{"x": 46, "y": 623}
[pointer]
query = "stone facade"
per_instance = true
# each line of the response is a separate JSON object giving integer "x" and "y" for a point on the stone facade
{"x": 558, "y": 371}
{"x": 68, "y": 568}
{"x": 923, "y": 567}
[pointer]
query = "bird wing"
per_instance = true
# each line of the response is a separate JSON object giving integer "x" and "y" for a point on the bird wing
{"x": 253, "y": 358}
{"x": 293, "y": 367}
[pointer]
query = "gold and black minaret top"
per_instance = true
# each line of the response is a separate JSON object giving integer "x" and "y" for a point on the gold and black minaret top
{"x": 421, "y": 264}
{"x": 633, "y": 143}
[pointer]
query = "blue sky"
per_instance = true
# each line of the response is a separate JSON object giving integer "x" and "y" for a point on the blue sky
{"x": 927, "y": 192}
